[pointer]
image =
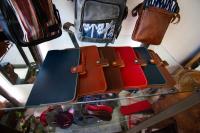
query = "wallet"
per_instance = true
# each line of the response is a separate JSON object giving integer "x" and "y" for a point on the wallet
{"x": 55, "y": 83}
{"x": 132, "y": 73}
{"x": 112, "y": 71}
{"x": 154, "y": 77}
{"x": 91, "y": 75}
{"x": 170, "y": 82}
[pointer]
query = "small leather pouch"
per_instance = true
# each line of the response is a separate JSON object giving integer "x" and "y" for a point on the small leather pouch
{"x": 91, "y": 75}
{"x": 170, "y": 82}
{"x": 154, "y": 76}
{"x": 55, "y": 83}
{"x": 132, "y": 73}
{"x": 112, "y": 72}
{"x": 151, "y": 24}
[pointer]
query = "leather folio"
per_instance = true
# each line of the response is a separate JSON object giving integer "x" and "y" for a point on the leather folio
{"x": 91, "y": 70}
{"x": 55, "y": 83}
{"x": 155, "y": 69}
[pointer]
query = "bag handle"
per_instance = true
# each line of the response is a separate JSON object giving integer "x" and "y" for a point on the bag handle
{"x": 137, "y": 10}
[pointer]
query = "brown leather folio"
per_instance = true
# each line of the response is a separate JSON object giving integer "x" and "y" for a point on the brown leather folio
{"x": 91, "y": 75}
{"x": 170, "y": 82}
{"x": 112, "y": 71}
{"x": 152, "y": 24}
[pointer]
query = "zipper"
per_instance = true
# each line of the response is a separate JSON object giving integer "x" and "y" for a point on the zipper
{"x": 82, "y": 12}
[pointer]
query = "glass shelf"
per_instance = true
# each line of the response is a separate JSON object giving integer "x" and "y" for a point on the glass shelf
{"x": 151, "y": 94}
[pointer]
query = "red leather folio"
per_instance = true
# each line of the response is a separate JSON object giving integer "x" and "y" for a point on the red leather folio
{"x": 132, "y": 73}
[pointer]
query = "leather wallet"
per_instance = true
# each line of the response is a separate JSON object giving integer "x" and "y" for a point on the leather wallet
{"x": 170, "y": 82}
{"x": 132, "y": 73}
{"x": 91, "y": 75}
{"x": 154, "y": 77}
{"x": 55, "y": 83}
{"x": 112, "y": 71}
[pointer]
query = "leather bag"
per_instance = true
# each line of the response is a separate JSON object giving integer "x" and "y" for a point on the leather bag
{"x": 132, "y": 73}
{"x": 152, "y": 24}
{"x": 112, "y": 72}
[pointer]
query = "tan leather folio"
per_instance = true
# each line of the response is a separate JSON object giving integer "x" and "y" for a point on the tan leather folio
{"x": 91, "y": 74}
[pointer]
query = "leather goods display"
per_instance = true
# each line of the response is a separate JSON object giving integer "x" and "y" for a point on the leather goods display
{"x": 91, "y": 75}
{"x": 153, "y": 20}
{"x": 112, "y": 72}
{"x": 135, "y": 107}
{"x": 154, "y": 76}
{"x": 132, "y": 73}
{"x": 55, "y": 83}
{"x": 170, "y": 82}
{"x": 99, "y": 20}
{"x": 30, "y": 22}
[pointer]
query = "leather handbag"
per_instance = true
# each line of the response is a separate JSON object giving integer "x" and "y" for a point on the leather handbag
{"x": 170, "y": 82}
{"x": 30, "y": 22}
{"x": 55, "y": 83}
{"x": 154, "y": 77}
{"x": 132, "y": 73}
{"x": 112, "y": 72}
{"x": 91, "y": 75}
{"x": 153, "y": 21}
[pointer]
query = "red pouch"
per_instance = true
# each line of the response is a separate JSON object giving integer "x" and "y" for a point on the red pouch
{"x": 99, "y": 108}
{"x": 135, "y": 107}
{"x": 132, "y": 73}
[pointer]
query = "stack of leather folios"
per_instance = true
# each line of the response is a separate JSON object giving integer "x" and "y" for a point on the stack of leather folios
{"x": 93, "y": 73}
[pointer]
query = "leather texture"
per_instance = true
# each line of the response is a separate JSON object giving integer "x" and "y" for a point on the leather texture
{"x": 92, "y": 80}
{"x": 112, "y": 72}
{"x": 55, "y": 83}
{"x": 3, "y": 48}
{"x": 30, "y": 22}
{"x": 151, "y": 25}
{"x": 170, "y": 82}
{"x": 132, "y": 73}
{"x": 154, "y": 76}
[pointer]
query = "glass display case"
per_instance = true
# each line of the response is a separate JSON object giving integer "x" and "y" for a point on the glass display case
{"x": 130, "y": 110}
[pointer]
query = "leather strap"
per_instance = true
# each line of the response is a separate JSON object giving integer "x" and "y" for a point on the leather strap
{"x": 118, "y": 62}
{"x": 137, "y": 9}
{"x": 80, "y": 68}
{"x": 157, "y": 60}
{"x": 103, "y": 62}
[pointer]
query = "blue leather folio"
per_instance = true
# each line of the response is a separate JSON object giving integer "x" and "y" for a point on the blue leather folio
{"x": 55, "y": 82}
{"x": 153, "y": 75}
